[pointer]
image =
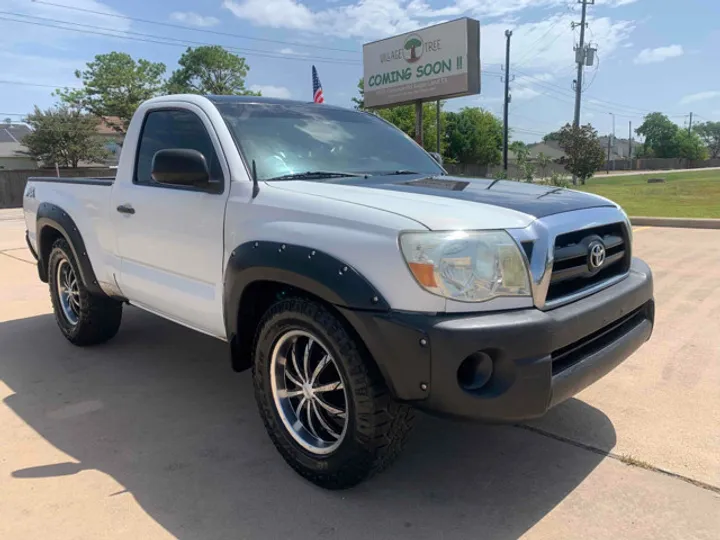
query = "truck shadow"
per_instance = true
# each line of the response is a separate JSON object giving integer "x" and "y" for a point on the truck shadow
{"x": 160, "y": 411}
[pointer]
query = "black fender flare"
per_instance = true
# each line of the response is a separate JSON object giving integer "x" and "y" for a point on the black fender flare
{"x": 342, "y": 286}
{"x": 309, "y": 269}
{"x": 51, "y": 215}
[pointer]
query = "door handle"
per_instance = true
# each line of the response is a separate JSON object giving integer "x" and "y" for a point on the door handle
{"x": 125, "y": 209}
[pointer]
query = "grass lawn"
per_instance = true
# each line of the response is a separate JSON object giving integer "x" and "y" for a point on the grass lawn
{"x": 693, "y": 194}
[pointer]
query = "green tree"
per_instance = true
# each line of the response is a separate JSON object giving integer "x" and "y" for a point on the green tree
{"x": 583, "y": 150}
{"x": 114, "y": 85}
{"x": 403, "y": 117}
{"x": 63, "y": 135}
{"x": 519, "y": 148}
{"x": 661, "y": 136}
{"x": 359, "y": 101}
{"x": 553, "y": 136}
{"x": 525, "y": 167}
{"x": 709, "y": 132}
{"x": 210, "y": 70}
{"x": 543, "y": 162}
{"x": 473, "y": 135}
{"x": 690, "y": 145}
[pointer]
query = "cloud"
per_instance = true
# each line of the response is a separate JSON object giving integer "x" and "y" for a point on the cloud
{"x": 700, "y": 96}
{"x": 18, "y": 33}
{"x": 660, "y": 54}
{"x": 614, "y": 3}
{"x": 525, "y": 93}
{"x": 268, "y": 90}
{"x": 292, "y": 52}
{"x": 545, "y": 43}
{"x": 40, "y": 69}
{"x": 194, "y": 19}
{"x": 526, "y": 87}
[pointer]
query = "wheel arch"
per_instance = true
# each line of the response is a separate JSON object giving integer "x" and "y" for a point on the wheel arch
{"x": 53, "y": 223}
{"x": 260, "y": 273}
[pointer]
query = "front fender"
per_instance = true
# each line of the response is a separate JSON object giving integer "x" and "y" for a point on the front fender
{"x": 311, "y": 270}
{"x": 339, "y": 284}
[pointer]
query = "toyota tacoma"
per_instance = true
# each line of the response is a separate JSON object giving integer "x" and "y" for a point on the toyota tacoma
{"x": 344, "y": 267}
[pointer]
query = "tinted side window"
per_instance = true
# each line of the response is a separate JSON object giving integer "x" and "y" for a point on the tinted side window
{"x": 174, "y": 129}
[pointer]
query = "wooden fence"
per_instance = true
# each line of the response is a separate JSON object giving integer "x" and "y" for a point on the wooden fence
{"x": 12, "y": 182}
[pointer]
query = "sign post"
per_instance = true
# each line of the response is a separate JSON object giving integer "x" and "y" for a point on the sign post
{"x": 433, "y": 63}
{"x": 419, "y": 122}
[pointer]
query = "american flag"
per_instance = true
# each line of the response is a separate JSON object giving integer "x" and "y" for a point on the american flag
{"x": 317, "y": 88}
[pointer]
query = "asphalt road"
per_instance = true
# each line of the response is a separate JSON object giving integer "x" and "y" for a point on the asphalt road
{"x": 152, "y": 436}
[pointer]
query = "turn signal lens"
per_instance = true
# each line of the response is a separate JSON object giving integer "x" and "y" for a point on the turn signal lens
{"x": 424, "y": 273}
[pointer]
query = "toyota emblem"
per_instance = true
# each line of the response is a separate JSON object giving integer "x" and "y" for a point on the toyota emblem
{"x": 596, "y": 255}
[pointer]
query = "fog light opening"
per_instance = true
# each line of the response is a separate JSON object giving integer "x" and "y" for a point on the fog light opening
{"x": 475, "y": 371}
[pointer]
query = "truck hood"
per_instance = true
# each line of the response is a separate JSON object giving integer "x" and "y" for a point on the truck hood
{"x": 447, "y": 202}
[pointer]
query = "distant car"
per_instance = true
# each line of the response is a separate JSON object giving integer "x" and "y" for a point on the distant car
{"x": 343, "y": 265}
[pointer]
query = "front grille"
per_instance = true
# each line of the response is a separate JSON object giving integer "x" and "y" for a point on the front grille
{"x": 570, "y": 355}
{"x": 571, "y": 272}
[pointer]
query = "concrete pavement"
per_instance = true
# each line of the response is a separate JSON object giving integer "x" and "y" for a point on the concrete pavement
{"x": 152, "y": 436}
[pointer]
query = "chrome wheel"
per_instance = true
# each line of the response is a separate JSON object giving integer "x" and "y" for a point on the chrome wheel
{"x": 68, "y": 291}
{"x": 309, "y": 392}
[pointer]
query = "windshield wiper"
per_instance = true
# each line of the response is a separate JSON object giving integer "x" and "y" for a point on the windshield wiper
{"x": 315, "y": 175}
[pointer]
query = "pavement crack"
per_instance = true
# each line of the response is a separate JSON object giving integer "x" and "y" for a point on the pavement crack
{"x": 627, "y": 460}
{"x": 5, "y": 252}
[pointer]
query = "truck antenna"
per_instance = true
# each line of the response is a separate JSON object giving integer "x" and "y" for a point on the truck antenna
{"x": 256, "y": 186}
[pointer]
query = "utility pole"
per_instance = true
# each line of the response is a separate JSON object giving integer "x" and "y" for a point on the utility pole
{"x": 419, "y": 122}
{"x": 506, "y": 112}
{"x": 690, "y": 124}
{"x": 437, "y": 122}
{"x": 607, "y": 164}
{"x": 613, "y": 139}
{"x": 580, "y": 58}
{"x": 630, "y": 145}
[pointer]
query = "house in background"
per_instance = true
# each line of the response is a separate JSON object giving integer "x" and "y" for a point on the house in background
{"x": 112, "y": 138}
{"x": 11, "y": 148}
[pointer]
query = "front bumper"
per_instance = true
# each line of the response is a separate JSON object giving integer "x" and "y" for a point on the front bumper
{"x": 540, "y": 358}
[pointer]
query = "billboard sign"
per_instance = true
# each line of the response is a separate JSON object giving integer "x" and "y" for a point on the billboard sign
{"x": 436, "y": 62}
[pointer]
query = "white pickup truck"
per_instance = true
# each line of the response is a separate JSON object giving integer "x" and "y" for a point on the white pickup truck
{"x": 345, "y": 267}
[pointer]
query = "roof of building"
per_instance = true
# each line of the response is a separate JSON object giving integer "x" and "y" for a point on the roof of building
{"x": 13, "y": 132}
{"x": 12, "y": 149}
{"x": 550, "y": 149}
{"x": 106, "y": 123}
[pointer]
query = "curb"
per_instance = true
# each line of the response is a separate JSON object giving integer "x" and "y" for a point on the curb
{"x": 681, "y": 223}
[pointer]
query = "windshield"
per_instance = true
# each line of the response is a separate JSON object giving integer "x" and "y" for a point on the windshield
{"x": 291, "y": 139}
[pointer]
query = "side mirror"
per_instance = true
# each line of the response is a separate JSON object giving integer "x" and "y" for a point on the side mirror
{"x": 437, "y": 157}
{"x": 180, "y": 167}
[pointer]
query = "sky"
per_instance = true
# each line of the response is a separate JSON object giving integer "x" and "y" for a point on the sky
{"x": 653, "y": 55}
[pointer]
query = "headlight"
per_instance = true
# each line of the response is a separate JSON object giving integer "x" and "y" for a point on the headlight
{"x": 468, "y": 266}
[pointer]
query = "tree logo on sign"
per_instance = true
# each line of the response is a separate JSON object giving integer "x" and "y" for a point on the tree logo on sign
{"x": 413, "y": 48}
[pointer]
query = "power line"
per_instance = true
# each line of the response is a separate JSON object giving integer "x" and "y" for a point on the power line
{"x": 524, "y": 59}
{"x": 618, "y": 106}
{"x": 162, "y": 40}
{"x": 186, "y": 27}
{"x": 22, "y": 83}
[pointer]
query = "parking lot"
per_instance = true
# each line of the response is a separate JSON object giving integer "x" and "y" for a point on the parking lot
{"x": 153, "y": 436}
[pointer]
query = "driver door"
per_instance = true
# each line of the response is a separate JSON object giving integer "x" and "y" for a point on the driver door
{"x": 170, "y": 238}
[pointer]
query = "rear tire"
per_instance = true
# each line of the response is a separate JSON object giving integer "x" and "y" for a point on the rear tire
{"x": 83, "y": 318}
{"x": 349, "y": 427}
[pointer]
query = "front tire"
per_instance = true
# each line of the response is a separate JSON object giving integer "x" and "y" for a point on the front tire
{"x": 324, "y": 403}
{"x": 83, "y": 318}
